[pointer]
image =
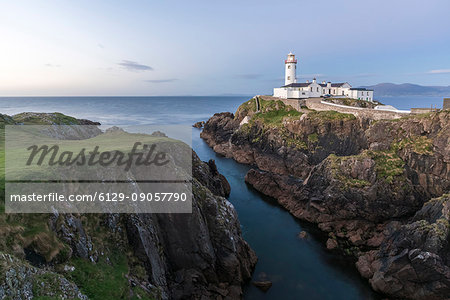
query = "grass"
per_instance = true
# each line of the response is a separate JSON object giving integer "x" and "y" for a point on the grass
{"x": 23, "y": 230}
{"x": 313, "y": 138}
{"x": 103, "y": 280}
{"x": 47, "y": 283}
{"x": 388, "y": 165}
{"x": 274, "y": 112}
{"x": 44, "y": 119}
{"x": 330, "y": 115}
{"x": 246, "y": 107}
{"x": 276, "y": 117}
{"x": 440, "y": 228}
{"x": 419, "y": 144}
{"x": 340, "y": 174}
{"x": 295, "y": 143}
{"x": 29, "y": 230}
{"x": 359, "y": 183}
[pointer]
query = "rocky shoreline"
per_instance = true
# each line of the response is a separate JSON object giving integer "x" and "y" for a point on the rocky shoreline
{"x": 200, "y": 255}
{"x": 378, "y": 188}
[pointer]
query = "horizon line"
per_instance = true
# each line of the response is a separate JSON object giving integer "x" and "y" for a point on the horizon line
{"x": 137, "y": 96}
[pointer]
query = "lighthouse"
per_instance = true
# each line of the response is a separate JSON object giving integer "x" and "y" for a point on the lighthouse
{"x": 290, "y": 69}
{"x": 313, "y": 89}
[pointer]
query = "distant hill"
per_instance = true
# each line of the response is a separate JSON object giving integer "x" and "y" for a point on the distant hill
{"x": 406, "y": 89}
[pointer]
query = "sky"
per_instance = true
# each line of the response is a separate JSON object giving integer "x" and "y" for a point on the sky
{"x": 155, "y": 47}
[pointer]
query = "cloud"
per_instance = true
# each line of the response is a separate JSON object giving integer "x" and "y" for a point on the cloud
{"x": 52, "y": 65}
{"x": 248, "y": 76}
{"x": 134, "y": 66}
{"x": 161, "y": 80}
{"x": 439, "y": 71}
{"x": 101, "y": 46}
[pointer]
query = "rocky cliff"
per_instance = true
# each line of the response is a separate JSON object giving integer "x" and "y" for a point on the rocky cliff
{"x": 367, "y": 183}
{"x": 201, "y": 255}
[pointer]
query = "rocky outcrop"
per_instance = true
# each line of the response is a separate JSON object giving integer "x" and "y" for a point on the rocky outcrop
{"x": 281, "y": 149}
{"x": 180, "y": 256}
{"x": 340, "y": 189}
{"x": 20, "y": 280}
{"x": 203, "y": 255}
{"x": 353, "y": 102}
{"x": 199, "y": 124}
{"x": 200, "y": 255}
{"x": 364, "y": 182}
{"x": 414, "y": 260}
{"x": 209, "y": 176}
{"x": 63, "y": 127}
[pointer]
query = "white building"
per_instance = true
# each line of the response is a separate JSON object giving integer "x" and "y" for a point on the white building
{"x": 298, "y": 90}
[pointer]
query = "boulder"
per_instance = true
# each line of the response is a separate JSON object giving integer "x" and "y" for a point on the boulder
{"x": 263, "y": 285}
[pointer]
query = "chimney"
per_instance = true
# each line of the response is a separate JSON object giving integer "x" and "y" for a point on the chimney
{"x": 314, "y": 80}
{"x": 307, "y": 81}
{"x": 323, "y": 82}
{"x": 329, "y": 84}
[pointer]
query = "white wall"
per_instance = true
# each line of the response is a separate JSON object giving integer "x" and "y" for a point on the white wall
{"x": 290, "y": 73}
{"x": 362, "y": 95}
{"x": 314, "y": 89}
{"x": 280, "y": 92}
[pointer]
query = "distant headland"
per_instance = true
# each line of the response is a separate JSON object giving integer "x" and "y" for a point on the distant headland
{"x": 408, "y": 89}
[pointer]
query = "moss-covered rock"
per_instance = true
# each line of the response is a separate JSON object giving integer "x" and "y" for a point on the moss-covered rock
{"x": 125, "y": 256}
{"x": 360, "y": 180}
{"x": 20, "y": 280}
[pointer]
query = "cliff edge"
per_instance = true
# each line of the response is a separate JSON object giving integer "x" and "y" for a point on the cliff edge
{"x": 200, "y": 255}
{"x": 377, "y": 187}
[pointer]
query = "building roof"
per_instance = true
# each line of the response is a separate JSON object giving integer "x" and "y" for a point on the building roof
{"x": 338, "y": 84}
{"x": 360, "y": 89}
{"x": 306, "y": 84}
{"x": 298, "y": 84}
{"x": 333, "y": 84}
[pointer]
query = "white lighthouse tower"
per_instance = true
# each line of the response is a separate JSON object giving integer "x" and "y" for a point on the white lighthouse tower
{"x": 290, "y": 69}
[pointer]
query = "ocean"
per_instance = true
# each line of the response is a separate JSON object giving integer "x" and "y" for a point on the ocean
{"x": 298, "y": 268}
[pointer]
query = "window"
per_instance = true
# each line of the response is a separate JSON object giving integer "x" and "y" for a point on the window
{"x": 289, "y": 77}
{"x": 317, "y": 89}
{"x": 342, "y": 93}
{"x": 323, "y": 91}
{"x": 334, "y": 91}
{"x": 289, "y": 66}
{"x": 311, "y": 89}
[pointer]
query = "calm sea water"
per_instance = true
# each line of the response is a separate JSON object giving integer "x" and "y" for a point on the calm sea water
{"x": 408, "y": 102}
{"x": 299, "y": 269}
